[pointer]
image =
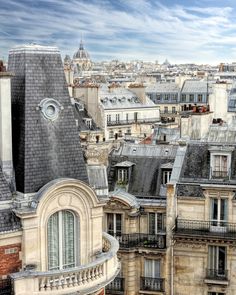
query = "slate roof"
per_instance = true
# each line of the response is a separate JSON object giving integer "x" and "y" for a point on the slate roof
{"x": 9, "y": 221}
{"x": 146, "y": 174}
{"x": 169, "y": 87}
{"x": 196, "y": 165}
{"x": 120, "y": 98}
{"x": 195, "y": 86}
{"x": 97, "y": 176}
{"x": 43, "y": 150}
{"x": 5, "y": 192}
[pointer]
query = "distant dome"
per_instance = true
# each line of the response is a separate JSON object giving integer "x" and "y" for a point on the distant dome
{"x": 81, "y": 53}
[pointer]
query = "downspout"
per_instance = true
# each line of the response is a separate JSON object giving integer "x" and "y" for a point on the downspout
{"x": 172, "y": 246}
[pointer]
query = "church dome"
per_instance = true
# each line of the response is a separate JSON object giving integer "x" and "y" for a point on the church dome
{"x": 81, "y": 53}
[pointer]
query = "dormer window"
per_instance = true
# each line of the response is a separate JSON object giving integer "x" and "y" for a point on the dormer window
{"x": 220, "y": 166}
{"x": 123, "y": 172}
{"x": 220, "y": 162}
{"x": 122, "y": 175}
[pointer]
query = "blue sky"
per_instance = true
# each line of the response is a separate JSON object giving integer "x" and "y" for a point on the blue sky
{"x": 201, "y": 31}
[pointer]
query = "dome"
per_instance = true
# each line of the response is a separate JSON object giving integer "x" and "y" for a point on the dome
{"x": 81, "y": 53}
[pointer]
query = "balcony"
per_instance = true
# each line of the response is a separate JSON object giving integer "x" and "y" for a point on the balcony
{"x": 152, "y": 284}
{"x": 216, "y": 276}
{"x": 198, "y": 228}
{"x": 131, "y": 121}
{"x": 116, "y": 287}
{"x": 83, "y": 279}
{"x": 169, "y": 113}
{"x": 220, "y": 174}
{"x": 136, "y": 240}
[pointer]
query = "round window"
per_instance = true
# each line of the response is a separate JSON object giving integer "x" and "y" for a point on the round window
{"x": 50, "y": 108}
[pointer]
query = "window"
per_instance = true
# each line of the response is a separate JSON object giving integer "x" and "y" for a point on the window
{"x": 61, "y": 240}
{"x": 165, "y": 110}
{"x": 219, "y": 211}
{"x": 166, "y": 96}
{"x": 183, "y": 97}
{"x": 156, "y": 222}
{"x": 215, "y": 293}
{"x": 135, "y": 116}
{"x": 220, "y": 166}
{"x": 166, "y": 174}
{"x": 191, "y": 98}
{"x": 122, "y": 175}
{"x": 108, "y": 118}
{"x": 173, "y": 110}
{"x": 199, "y": 98}
{"x": 152, "y": 268}
{"x": 127, "y": 117}
{"x": 158, "y": 97}
{"x": 216, "y": 261}
{"x": 111, "y": 134}
{"x": 114, "y": 224}
{"x": 117, "y": 118}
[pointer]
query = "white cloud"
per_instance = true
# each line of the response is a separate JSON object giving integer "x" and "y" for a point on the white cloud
{"x": 128, "y": 29}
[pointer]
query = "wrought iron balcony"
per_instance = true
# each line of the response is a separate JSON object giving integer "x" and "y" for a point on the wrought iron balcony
{"x": 217, "y": 274}
{"x": 220, "y": 174}
{"x": 157, "y": 241}
{"x": 152, "y": 284}
{"x": 131, "y": 121}
{"x": 6, "y": 287}
{"x": 219, "y": 229}
{"x": 169, "y": 113}
{"x": 116, "y": 287}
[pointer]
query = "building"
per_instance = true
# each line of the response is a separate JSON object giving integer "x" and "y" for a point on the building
{"x": 119, "y": 111}
{"x": 81, "y": 60}
{"x": 201, "y": 217}
{"x": 136, "y": 215}
{"x": 50, "y": 218}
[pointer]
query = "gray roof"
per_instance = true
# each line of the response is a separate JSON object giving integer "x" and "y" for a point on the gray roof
{"x": 120, "y": 98}
{"x": 43, "y": 149}
{"x": 163, "y": 88}
{"x": 5, "y": 192}
{"x": 146, "y": 150}
{"x": 196, "y": 165}
{"x": 124, "y": 164}
{"x": 9, "y": 221}
{"x": 97, "y": 176}
{"x": 126, "y": 197}
{"x": 195, "y": 86}
{"x": 146, "y": 175}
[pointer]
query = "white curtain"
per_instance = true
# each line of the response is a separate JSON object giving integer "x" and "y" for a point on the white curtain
{"x": 53, "y": 242}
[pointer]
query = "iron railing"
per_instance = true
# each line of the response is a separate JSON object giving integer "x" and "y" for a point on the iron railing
{"x": 220, "y": 174}
{"x": 169, "y": 112}
{"x": 116, "y": 286}
{"x": 214, "y": 228}
{"x": 217, "y": 274}
{"x": 6, "y": 287}
{"x": 152, "y": 284}
{"x": 157, "y": 241}
{"x": 131, "y": 121}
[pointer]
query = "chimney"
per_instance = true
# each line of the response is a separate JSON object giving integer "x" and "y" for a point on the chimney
{"x": 5, "y": 126}
{"x": 139, "y": 90}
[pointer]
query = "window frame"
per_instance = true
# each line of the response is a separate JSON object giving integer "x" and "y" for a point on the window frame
{"x": 60, "y": 240}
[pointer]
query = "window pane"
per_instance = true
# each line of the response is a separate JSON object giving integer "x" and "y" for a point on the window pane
{"x": 68, "y": 239}
{"x": 53, "y": 242}
{"x": 157, "y": 269}
{"x": 222, "y": 260}
{"x": 118, "y": 224}
{"x": 110, "y": 223}
{"x": 148, "y": 268}
{"x": 152, "y": 223}
{"x": 223, "y": 210}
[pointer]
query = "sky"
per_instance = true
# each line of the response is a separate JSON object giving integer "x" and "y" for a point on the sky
{"x": 182, "y": 31}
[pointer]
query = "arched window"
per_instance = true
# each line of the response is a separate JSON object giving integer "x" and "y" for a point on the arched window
{"x": 61, "y": 233}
